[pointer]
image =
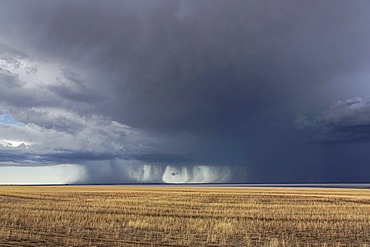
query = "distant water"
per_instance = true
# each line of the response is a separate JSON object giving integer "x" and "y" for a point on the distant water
{"x": 231, "y": 185}
{"x": 241, "y": 185}
{"x": 321, "y": 185}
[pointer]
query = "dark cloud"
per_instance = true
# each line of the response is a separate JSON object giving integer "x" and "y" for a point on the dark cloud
{"x": 73, "y": 88}
{"x": 217, "y": 83}
{"x": 344, "y": 122}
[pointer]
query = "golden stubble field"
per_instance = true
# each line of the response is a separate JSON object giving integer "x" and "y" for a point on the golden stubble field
{"x": 183, "y": 216}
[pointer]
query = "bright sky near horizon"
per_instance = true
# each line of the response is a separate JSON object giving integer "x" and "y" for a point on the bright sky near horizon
{"x": 39, "y": 175}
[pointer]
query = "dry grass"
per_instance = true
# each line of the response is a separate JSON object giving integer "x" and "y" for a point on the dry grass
{"x": 183, "y": 216}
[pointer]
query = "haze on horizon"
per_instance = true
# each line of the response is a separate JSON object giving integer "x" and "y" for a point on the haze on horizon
{"x": 183, "y": 91}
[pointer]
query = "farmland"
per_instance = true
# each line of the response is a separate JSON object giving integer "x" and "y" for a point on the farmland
{"x": 183, "y": 216}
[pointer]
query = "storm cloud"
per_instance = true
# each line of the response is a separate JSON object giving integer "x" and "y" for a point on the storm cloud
{"x": 344, "y": 121}
{"x": 187, "y": 91}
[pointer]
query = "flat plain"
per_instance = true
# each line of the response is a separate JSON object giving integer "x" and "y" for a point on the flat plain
{"x": 183, "y": 216}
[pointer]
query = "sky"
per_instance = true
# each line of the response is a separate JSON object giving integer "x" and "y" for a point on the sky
{"x": 184, "y": 91}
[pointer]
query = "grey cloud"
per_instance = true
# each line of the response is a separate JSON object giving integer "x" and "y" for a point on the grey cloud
{"x": 27, "y": 82}
{"x": 9, "y": 81}
{"x": 189, "y": 64}
{"x": 71, "y": 87}
{"x": 344, "y": 122}
{"x": 95, "y": 139}
{"x": 204, "y": 77}
{"x": 58, "y": 129}
{"x": 11, "y": 54}
{"x": 52, "y": 118}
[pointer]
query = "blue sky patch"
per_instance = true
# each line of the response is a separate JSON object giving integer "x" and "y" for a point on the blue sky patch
{"x": 8, "y": 119}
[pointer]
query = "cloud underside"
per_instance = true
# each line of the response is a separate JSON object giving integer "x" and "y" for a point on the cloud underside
{"x": 43, "y": 129}
{"x": 186, "y": 90}
{"x": 345, "y": 121}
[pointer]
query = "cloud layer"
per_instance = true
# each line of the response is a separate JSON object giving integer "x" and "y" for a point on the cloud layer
{"x": 344, "y": 122}
{"x": 209, "y": 91}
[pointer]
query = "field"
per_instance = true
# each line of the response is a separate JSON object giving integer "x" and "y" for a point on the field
{"x": 183, "y": 216}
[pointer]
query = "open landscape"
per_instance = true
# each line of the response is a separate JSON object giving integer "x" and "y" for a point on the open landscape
{"x": 183, "y": 216}
{"x": 185, "y": 123}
